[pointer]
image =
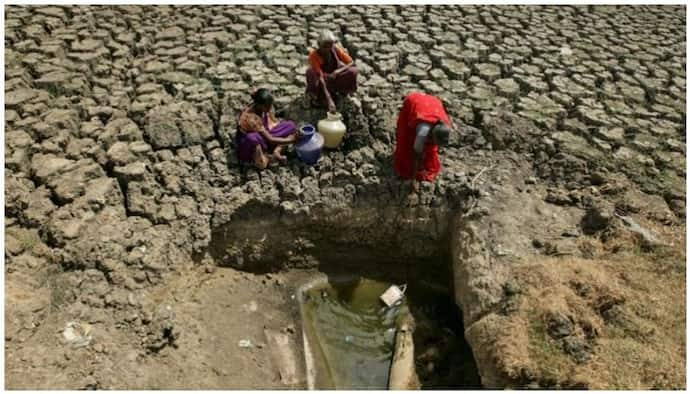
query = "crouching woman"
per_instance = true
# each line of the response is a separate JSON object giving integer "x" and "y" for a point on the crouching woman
{"x": 260, "y": 136}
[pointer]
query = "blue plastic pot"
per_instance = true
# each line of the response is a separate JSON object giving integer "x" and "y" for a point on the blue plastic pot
{"x": 309, "y": 147}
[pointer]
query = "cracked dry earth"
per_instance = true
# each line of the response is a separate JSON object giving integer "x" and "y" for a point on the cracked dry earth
{"x": 120, "y": 174}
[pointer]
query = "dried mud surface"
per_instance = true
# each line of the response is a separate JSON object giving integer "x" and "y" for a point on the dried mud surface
{"x": 120, "y": 169}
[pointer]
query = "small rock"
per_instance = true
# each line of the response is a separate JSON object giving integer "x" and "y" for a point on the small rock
{"x": 210, "y": 268}
{"x": 290, "y": 329}
{"x": 558, "y": 198}
{"x": 510, "y": 304}
{"x": 648, "y": 239}
{"x": 131, "y": 171}
{"x": 90, "y": 382}
{"x": 597, "y": 178}
{"x": 571, "y": 233}
{"x": 537, "y": 243}
{"x": 576, "y": 348}
{"x": 550, "y": 248}
{"x": 501, "y": 251}
{"x": 595, "y": 219}
{"x": 559, "y": 325}
{"x": 131, "y": 299}
{"x": 245, "y": 343}
{"x": 511, "y": 288}
{"x": 677, "y": 206}
{"x": 582, "y": 289}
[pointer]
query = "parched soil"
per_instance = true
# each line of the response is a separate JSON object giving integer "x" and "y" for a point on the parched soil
{"x": 557, "y": 223}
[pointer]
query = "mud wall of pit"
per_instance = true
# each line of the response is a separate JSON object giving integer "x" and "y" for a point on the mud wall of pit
{"x": 479, "y": 292}
{"x": 367, "y": 238}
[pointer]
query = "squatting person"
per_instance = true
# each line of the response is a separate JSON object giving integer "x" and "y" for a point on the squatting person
{"x": 331, "y": 75}
{"x": 260, "y": 133}
{"x": 423, "y": 126}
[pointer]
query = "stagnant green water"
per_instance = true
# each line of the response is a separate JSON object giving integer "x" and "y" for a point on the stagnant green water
{"x": 355, "y": 332}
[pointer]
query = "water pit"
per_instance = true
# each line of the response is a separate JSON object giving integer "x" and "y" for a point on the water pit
{"x": 350, "y": 335}
{"x": 351, "y": 257}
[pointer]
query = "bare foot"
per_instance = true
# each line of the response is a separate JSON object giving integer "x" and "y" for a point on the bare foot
{"x": 282, "y": 159}
{"x": 276, "y": 154}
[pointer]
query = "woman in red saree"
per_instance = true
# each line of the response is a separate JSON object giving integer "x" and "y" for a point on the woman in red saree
{"x": 423, "y": 126}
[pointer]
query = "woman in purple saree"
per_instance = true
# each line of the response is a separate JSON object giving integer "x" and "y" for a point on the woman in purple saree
{"x": 259, "y": 133}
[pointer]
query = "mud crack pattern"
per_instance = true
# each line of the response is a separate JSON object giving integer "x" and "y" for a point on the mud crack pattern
{"x": 120, "y": 119}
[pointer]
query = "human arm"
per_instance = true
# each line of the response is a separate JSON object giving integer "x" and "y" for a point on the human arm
{"x": 343, "y": 55}
{"x": 345, "y": 58}
{"x": 251, "y": 122}
{"x": 315, "y": 64}
{"x": 273, "y": 122}
{"x": 343, "y": 69}
{"x": 415, "y": 183}
{"x": 421, "y": 135}
{"x": 277, "y": 140}
{"x": 329, "y": 99}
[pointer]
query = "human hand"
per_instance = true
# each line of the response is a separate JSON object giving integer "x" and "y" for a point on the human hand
{"x": 345, "y": 67}
{"x": 414, "y": 188}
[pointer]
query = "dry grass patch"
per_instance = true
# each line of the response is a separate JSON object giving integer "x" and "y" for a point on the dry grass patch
{"x": 615, "y": 321}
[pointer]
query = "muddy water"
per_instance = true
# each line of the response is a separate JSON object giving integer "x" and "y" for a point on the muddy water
{"x": 356, "y": 334}
{"x": 355, "y": 330}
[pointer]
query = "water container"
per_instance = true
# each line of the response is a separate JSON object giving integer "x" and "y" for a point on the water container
{"x": 333, "y": 129}
{"x": 309, "y": 146}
